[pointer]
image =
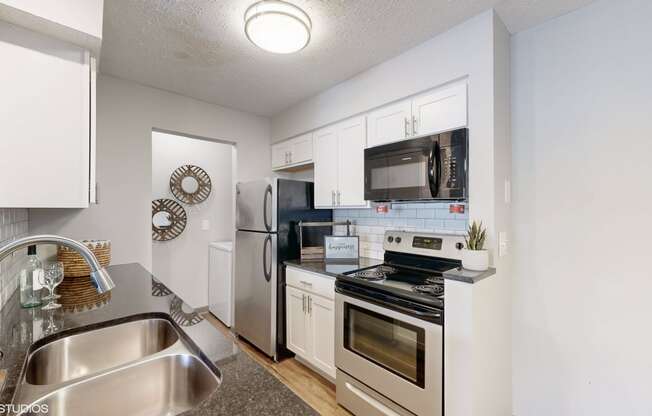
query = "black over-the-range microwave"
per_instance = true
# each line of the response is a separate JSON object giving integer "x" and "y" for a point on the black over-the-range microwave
{"x": 433, "y": 167}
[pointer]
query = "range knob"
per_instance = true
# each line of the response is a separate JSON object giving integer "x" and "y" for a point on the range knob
{"x": 398, "y": 240}
{"x": 390, "y": 239}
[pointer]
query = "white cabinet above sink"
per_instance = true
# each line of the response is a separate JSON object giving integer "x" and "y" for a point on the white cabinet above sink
{"x": 47, "y": 115}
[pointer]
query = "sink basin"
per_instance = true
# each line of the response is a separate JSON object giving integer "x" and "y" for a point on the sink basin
{"x": 97, "y": 350}
{"x": 166, "y": 385}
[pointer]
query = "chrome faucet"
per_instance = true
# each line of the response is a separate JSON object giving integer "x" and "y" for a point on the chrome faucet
{"x": 100, "y": 277}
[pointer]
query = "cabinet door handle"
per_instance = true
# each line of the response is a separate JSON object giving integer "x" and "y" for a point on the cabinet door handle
{"x": 407, "y": 126}
{"x": 303, "y": 303}
{"x": 333, "y": 197}
{"x": 339, "y": 194}
{"x": 415, "y": 125}
{"x": 303, "y": 282}
{"x": 309, "y": 305}
{"x": 290, "y": 155}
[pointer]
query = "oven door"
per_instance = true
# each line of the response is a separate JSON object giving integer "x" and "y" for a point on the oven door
{"x": 402, "y": 171}
{"x": 398, "y": 356}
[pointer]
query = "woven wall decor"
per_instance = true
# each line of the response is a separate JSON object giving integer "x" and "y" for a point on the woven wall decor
{"x": 190, "y": 184}
{"x": 168, "y": 219}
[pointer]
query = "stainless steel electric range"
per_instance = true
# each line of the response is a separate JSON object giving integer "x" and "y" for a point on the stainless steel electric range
{"x": 389, "y": 328}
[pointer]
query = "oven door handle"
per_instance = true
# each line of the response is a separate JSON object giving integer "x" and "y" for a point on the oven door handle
{"x": 430, "y": 316}
{"x": 434, "y": 168}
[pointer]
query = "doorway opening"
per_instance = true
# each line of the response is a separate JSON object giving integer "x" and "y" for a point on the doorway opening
{"x": 193, "y": 205}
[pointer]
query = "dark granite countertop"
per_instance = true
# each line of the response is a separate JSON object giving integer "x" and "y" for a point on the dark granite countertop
{"x": 333, "y": 268}
{"x": 246, "y": 388}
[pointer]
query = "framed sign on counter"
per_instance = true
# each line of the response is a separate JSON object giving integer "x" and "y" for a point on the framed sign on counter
{"x": 341, "y": 248}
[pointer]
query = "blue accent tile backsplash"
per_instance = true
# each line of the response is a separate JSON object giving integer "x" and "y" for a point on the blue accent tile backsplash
{"x": 370, "y": 226}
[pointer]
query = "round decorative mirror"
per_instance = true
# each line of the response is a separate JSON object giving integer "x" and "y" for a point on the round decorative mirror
{"x": 162, "y": 220}
{"x": 190, "y": 184}
{"x": 168, "y": 219}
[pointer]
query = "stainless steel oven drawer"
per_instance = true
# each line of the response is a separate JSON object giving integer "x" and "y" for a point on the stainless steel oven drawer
{"x": 363, "y": 401}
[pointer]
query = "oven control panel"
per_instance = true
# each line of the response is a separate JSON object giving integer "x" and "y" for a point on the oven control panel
{"x": 429, "y": 243}
{"x": 426, "y": 244}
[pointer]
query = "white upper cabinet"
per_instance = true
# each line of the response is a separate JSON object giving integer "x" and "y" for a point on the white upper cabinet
{"x": 339, "y": 165}
{"x": 431, "y": 112}
{"x": 292, "y": 153}
{"x": 326, "y": 157}
{"x": 280, "y": 152}
{"x": 389, "y": 123}
{"x": 47, "y": 122}
{"x": 439, "y": 110}
{"x": 351, "y": 163}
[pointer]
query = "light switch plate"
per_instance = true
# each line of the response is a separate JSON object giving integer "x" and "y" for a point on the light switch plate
{"x": 502, "y": 244}
{"x": 205, "y": 225}
{"x": 508, "y": 191}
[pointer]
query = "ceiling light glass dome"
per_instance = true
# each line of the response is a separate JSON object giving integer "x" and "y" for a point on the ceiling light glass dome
{"x": 277, "y": 26}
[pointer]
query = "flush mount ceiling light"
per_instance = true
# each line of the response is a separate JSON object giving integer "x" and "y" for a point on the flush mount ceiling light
{"x": 277, "y": 26}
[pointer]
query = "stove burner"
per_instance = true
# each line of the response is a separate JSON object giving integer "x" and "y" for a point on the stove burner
{"x": 386, "y": 269}
{"x": 377, "y": 273}
{"x": 435, "y": 280}
{"x": 370, "y": 275}
{"x": 434, "y": 290}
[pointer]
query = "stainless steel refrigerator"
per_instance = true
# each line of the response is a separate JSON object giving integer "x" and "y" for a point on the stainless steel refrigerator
{"x": 267, "y": 215}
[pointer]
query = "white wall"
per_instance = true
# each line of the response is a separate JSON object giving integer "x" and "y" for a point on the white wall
{"x": 182, "y": 263}
{"x": 126, "y": 114}
{"x": 582, "y": 147}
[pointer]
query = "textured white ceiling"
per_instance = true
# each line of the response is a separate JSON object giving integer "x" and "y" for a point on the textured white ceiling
{"x": 198, "y": 48}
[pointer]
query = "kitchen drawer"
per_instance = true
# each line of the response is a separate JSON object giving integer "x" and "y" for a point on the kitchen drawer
{"x": 318, "y": 284}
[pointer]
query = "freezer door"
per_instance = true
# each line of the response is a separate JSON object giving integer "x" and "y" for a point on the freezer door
{"x": 256, "y": 203}
{"x": 255, "y": 289}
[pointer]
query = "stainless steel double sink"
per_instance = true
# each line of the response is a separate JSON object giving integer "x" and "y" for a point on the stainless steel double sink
{"x": 143, "y": 367}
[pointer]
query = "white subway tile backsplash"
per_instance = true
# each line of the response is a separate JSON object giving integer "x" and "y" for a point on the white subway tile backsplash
{"x": 425, "y": 213}
{"x": 370, "y": 225}
{"x": 408, "y": 213}
{"x": 13, "y": 224}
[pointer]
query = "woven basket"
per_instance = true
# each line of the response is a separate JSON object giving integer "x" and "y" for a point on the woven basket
{"x": 74, "y": 264}
{"x": 77, "y": 290}
{"x": 79, "y": 294}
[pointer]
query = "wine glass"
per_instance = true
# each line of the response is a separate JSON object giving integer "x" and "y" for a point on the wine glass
{"x": 51, "y": 277}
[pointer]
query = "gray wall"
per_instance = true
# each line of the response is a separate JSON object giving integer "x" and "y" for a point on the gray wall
{"x": 126, "y": 114}
{"x": 582, "y": 144}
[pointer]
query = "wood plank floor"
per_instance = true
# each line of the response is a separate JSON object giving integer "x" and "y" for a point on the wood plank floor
{"x": 305, "y": 383}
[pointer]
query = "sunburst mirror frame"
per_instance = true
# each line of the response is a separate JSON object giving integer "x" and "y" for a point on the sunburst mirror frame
{"x": 176, "y": 215}
{"x": 198, "y": 174}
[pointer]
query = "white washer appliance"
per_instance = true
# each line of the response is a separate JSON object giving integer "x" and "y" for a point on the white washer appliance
{"x": 220, "y": 281}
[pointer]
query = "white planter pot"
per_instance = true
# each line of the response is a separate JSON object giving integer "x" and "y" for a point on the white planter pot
{"x": 476, "y": 260}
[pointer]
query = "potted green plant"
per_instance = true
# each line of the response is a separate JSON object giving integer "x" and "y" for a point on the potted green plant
{"x": 475, "y": 256}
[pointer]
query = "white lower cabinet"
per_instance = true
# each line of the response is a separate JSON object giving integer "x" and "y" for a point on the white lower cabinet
{"x": 322, "y": 333}
{"x": 297, "y": 321}
{"x": 310, "y": 314}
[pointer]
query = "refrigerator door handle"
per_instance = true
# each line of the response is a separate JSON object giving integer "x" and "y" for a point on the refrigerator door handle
{"x": 268, "y": 192}
{"x": 267, "y": 270}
